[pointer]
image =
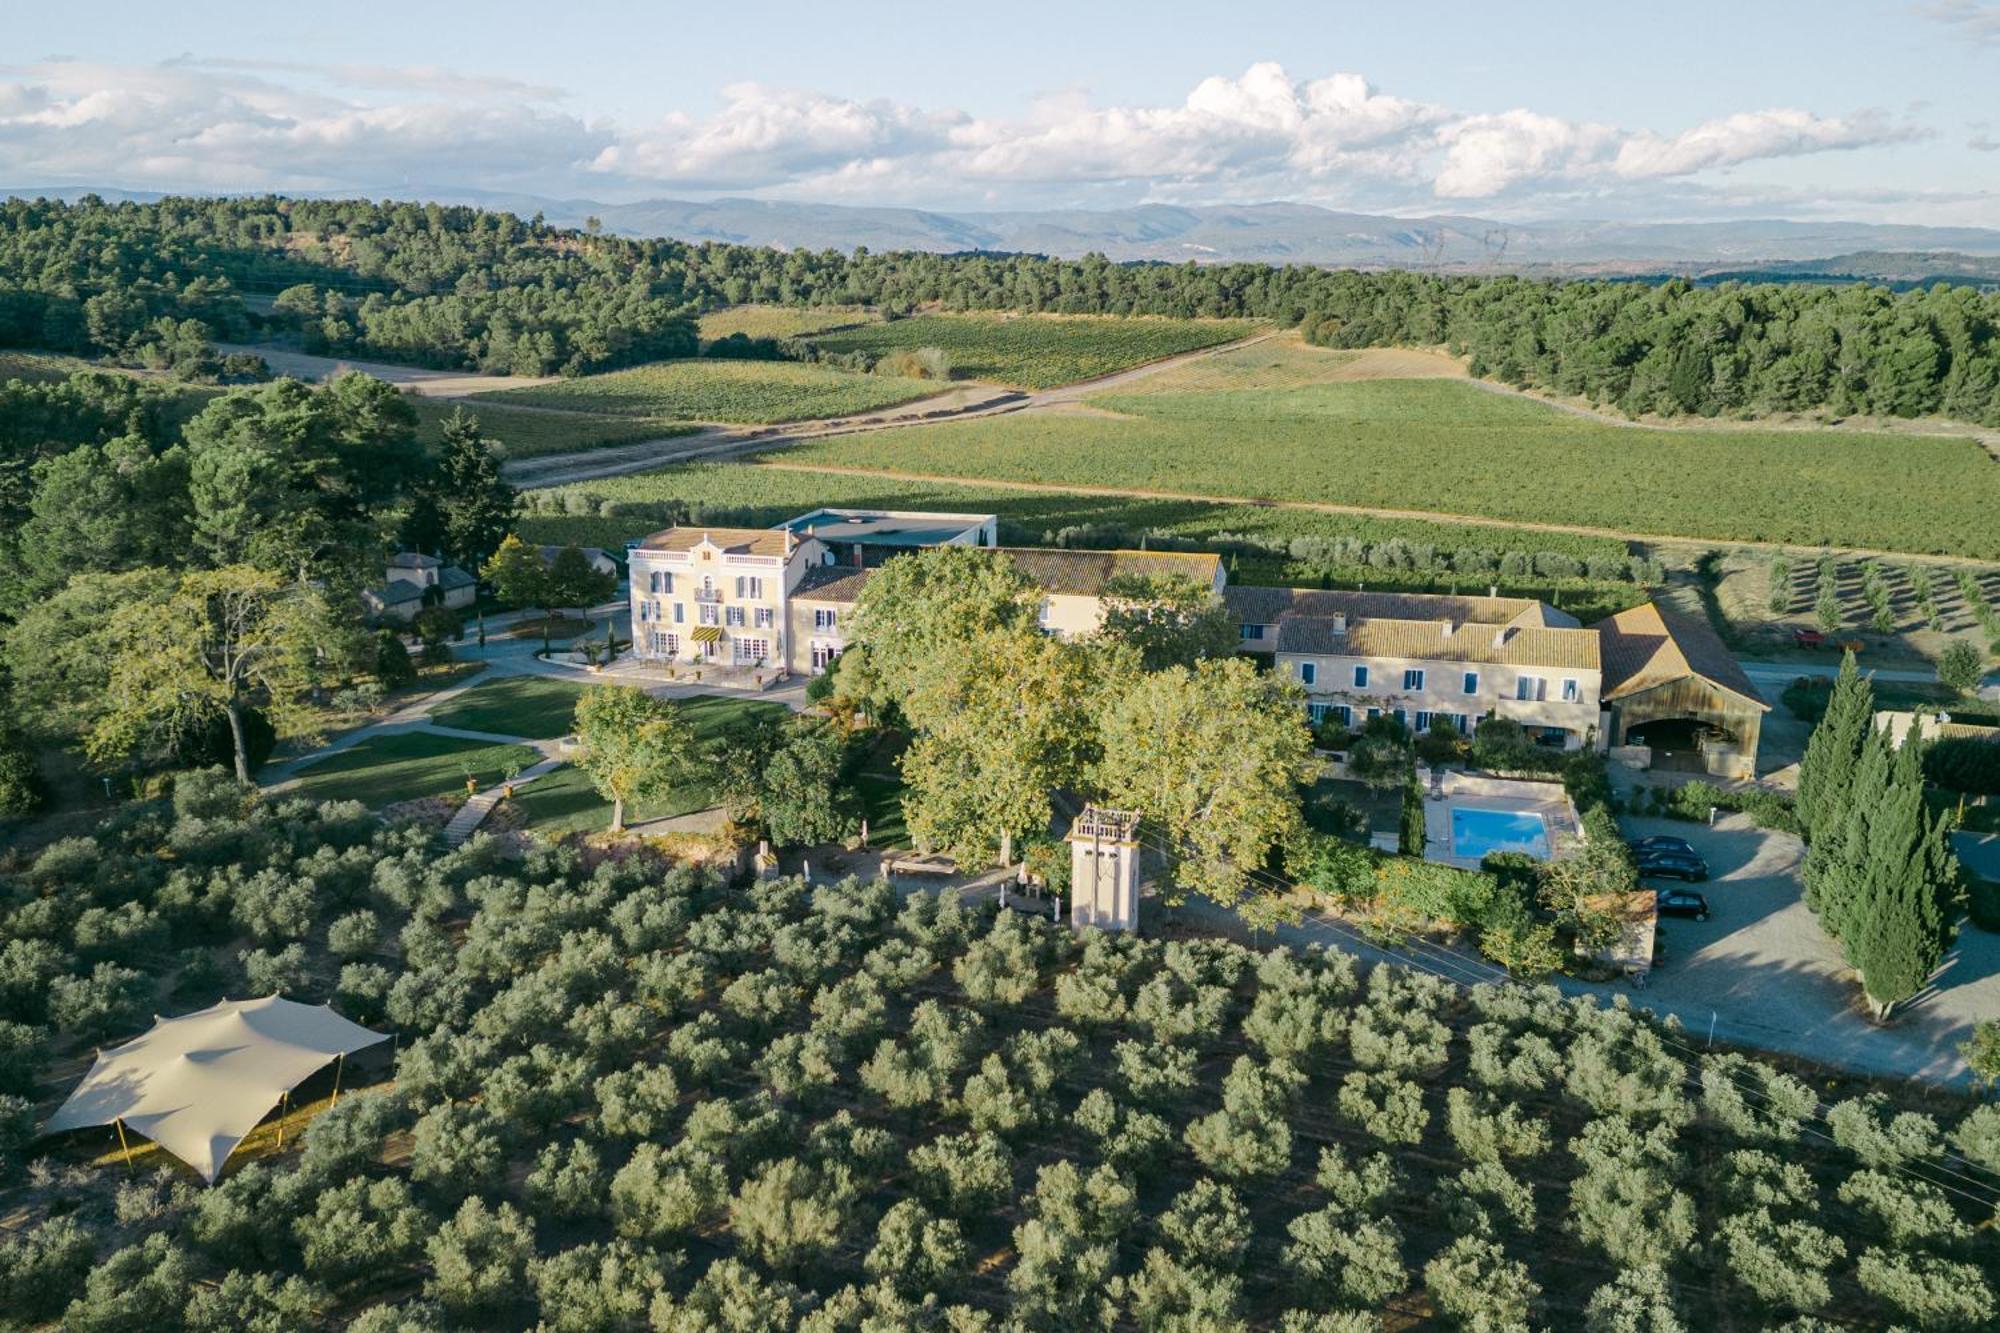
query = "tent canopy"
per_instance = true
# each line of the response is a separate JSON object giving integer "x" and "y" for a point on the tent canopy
{"x": 197, "y": 1085}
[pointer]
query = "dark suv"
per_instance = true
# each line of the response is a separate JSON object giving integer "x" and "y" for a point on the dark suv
{"x": 1665, "y": 864}
{"x": 1681, "y": 902}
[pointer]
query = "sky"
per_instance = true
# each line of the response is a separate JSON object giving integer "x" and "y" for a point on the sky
{"x": 1873, "y": 110}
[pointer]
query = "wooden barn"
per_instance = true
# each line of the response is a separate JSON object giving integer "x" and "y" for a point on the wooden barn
{"x": 1672, "y": 689}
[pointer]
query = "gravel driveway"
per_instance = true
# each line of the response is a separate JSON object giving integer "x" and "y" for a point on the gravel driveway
{"x": 1768, "y": 976}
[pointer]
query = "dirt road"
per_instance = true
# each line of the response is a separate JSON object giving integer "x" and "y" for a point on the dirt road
{"x": 428, "y": 383}
{"x": 962, "y": 403}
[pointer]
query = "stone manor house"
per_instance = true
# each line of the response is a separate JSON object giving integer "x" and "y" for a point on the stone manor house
{"x": 1658, "y": 684}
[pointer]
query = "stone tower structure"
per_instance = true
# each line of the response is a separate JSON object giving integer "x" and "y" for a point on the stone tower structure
{"x": 1104, "y": 869}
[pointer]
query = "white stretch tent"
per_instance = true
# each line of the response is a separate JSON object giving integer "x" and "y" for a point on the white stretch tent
{"x": 197, "y": 1085}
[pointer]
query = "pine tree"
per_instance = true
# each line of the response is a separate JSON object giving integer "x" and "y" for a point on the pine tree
{"x": 1897, "y": 924}
{"x": 1834, "y": 748}
{"x": 475, "y": 508}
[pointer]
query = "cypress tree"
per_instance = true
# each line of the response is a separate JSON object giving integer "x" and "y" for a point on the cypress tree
{"x": 1897, "y": 923}
{"x": 1410, "y": 831}
{"x": 1835, "y": 746}
{"x": 1835, "y": 860}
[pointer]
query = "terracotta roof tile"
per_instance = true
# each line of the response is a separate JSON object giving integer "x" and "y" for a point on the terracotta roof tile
{"x": 831, "y": 583}
{"x": 1441, "y": 641}
{"x": 1649, "y": 646}
{"x": 736, "y": 541}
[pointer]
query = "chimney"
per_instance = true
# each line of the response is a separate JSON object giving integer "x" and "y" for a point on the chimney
{"x": 1340, "y": 622}
{"x": 1444, "y": 629}
{"x": 1500, "y": 637}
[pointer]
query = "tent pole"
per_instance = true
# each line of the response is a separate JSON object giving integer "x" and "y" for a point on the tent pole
{"x": 123, "y": 1146}
{"x": 338, "y": 1062}
{"x": 283, "y": 1109}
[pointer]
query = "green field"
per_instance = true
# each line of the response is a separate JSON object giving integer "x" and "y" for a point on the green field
{"x": 1040, "y": 351}
{"x": 532, "y": 434}
{"x": 565, "y": 802}
{"x": 779, "y": 321}
{"x": 753, "y": 496}
{"x": 407, "y": 766}
{"x": 1446, "y": 446}
{"x": 535, "y": 706}
{"x": 739, "y": 392}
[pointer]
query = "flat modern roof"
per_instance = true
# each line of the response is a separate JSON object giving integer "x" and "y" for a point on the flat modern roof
{"x": 885, "y": 527}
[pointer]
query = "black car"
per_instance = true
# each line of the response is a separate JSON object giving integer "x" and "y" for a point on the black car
{"x": 1672, "y": 865}
{"x": 1661, "y": 842}
{"x": 1681, "y": 902}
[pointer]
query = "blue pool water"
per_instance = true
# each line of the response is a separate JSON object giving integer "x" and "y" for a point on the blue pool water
{"x": 1475, "y": 832}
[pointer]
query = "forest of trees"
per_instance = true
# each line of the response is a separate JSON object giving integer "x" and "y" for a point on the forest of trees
{"x": 454, "y": 286}
{"x": 629, "y": 1096}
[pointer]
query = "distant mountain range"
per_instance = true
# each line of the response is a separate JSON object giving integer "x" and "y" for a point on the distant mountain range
{"x": 1278, "y": 233}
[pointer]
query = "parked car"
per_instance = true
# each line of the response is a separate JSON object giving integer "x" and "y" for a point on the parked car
{"x": 1808, "y": 638}
{"x": 1672, "y": 865}
{"x": 1662, "y": 842}
{"x": 1681, "y": 902}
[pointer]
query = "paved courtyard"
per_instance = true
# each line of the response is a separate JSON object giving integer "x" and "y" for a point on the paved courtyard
{"x": 1768, "y": 975}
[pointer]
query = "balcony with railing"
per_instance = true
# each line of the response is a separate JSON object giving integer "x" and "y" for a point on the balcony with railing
{"x": 709, "y": 595}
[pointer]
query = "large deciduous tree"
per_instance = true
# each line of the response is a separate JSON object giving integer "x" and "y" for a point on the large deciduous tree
{"x": 633, "y": 745}
{"x": 1168, "y": 620}
{"x": 1001, "y": 724}
{"x": 921, "y": 609}
{"x": 225, "y": 640}
{"x": 1213, "y": 757}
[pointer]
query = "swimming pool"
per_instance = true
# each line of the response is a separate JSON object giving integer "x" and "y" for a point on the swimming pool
{"x": 1475, "y": 832}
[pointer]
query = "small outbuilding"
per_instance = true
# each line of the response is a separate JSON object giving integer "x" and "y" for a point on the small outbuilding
{"x": 1672, "y": 689}
{"x": 197, "y": 1085}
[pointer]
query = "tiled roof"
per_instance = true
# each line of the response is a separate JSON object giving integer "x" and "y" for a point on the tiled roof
{"x": 396, "y": 591}
{"x": 413, "y": 560}
{"x": 831, "y": 583}
{"x": 1084, "y": 573}
{"x": 1441, "y": 641}
{"x": 736, "y": 541}
{"x": 1264, "y": 606}
{"x": 1647, "y": 647}
{"x": 451, "y": 576}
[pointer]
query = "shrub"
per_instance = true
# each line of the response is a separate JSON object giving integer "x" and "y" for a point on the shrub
{"x": 1782, "y": 1263}
{"x": 1361, "y": 1262}
{"x": 43, "y": 1267}
{"x": 363, "y": 1228}
{"x": 917, "y": 1252}
{"x": 479, "y": 1262}
{"x": 1388, "y": 1107}
{"x": 1477, "y": 1285}
{"x": 598, "y": 1288}
{"x": 963, "y": 1175}
{"x": 1934, "y": 1293}
{"x": 1638, "y": 1300}
{"x": 787, "y": 1213}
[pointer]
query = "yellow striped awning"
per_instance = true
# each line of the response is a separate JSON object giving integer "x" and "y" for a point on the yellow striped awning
{"x": 707, "y": 634}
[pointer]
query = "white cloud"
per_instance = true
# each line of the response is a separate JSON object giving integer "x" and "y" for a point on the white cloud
{"x": 234, "y": 124}
{"x": 1752, "y": 135}
{"x": 1976, "y": 22}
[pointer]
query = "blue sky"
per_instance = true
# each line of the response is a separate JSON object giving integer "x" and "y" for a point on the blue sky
{"x": 1850, "y": 108}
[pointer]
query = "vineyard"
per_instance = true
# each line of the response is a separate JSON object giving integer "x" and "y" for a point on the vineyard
{"x": 778, "y": 321}
{"x": 1439, "y": 445}
{"x": 1268, "y": 545}
{"x": 526, "y": 434}
{"x": 744, "y": 392}
{"x": 1041, "y": 351}
{"x": 627, "y": 1096}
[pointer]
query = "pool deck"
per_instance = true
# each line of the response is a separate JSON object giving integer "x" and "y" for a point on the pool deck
{"x": 1447, "y": 789}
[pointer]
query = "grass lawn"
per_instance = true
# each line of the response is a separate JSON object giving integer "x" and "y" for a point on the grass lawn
{"x": 1040, "y": 351}
{"x": 529, "y": 434}
{"x": 565, "y": 802}
{"x": 561, "y": 628}
{"x": 742, "y": 392}
{"x": 779, "y": 321}
{"x": 1444, "y": 445}
{"x": 407, "y": 766}
{"x": 533, "y": 706}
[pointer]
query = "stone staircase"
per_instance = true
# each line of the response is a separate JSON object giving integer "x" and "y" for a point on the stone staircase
{"x": 473, "y": 813}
